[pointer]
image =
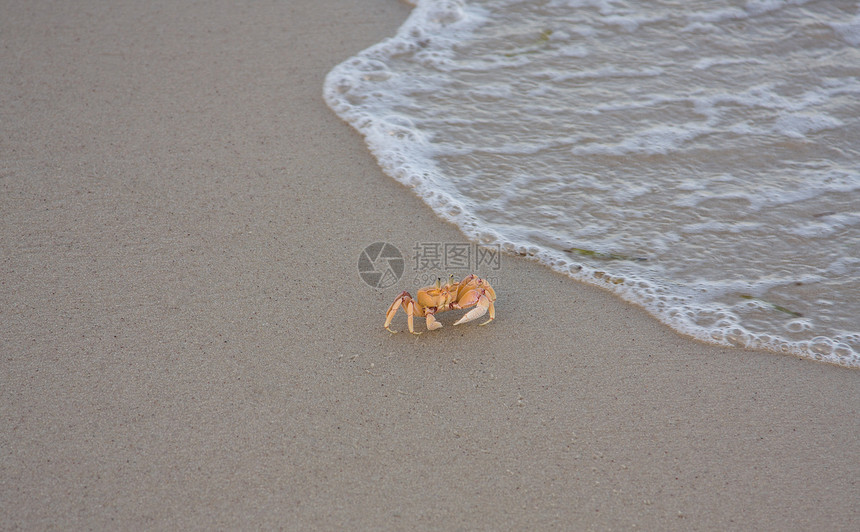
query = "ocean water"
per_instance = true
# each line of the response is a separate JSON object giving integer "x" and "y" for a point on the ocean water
{"x": 698, "y": 158}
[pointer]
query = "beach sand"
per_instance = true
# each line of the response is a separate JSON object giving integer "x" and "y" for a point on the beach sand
{"x": 186, "y": 342}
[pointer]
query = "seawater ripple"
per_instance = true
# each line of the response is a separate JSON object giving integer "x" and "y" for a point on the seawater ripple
{"x": 701, "y": 159}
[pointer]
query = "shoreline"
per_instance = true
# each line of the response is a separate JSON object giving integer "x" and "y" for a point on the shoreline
{"x": 674, "y": 286}
{"x": 188, "y": 344}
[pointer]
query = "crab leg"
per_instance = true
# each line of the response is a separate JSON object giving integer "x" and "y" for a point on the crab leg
{"x": 404, "y": 300}
{"x": 492, "y": 314}
{"x": 410, "y": 312}
{"x": 480, "y": 309}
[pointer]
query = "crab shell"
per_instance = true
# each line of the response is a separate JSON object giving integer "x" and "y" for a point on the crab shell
{"x": 472, "y": 291}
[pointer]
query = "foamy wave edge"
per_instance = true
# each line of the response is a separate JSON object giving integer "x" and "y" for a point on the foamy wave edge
{"x": 404, "y": 153}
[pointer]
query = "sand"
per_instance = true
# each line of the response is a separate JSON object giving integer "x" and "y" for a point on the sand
{"x": 186, "y": 342}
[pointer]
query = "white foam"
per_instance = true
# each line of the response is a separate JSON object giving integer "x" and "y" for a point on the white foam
{"x": 605, "y": 72}
{"x": 760, "y": 7}
{"x": 799, "y": 125}
{"x": 655, "y": 140}
{"x": 709, "y": 62}
{"x": 718, "y": 15}
{"x": 850, "y": 30}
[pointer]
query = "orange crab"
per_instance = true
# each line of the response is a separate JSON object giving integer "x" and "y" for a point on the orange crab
{"x": 472, "y": 291}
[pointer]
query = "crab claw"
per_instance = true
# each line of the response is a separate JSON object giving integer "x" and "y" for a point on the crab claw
{"x": 483, "y": 305}
{"x": 432, "y": 324}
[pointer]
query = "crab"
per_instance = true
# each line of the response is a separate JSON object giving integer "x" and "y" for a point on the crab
{"x": 472, "y": 291}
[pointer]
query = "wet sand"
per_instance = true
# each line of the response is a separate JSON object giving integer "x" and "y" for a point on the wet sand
{"x": 186, "y": 341}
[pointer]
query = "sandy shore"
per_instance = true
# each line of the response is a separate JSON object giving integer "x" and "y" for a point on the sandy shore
{"x": 186, "y": 342}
